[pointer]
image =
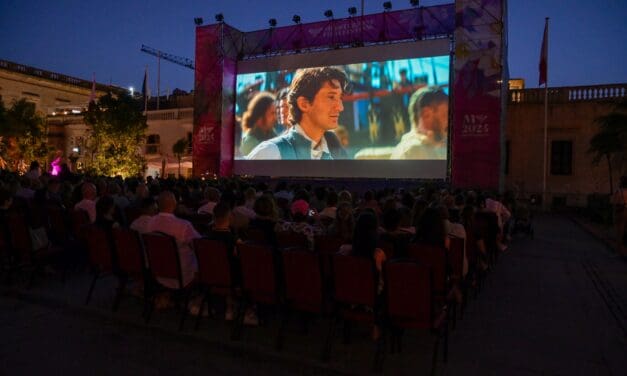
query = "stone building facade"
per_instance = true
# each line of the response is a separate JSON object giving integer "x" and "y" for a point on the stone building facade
{"x": 571, "y": 176}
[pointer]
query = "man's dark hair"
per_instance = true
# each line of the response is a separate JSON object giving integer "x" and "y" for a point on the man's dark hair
{"x": 424, "y": 97}
{"x": 308, "y": 82}
{"x": 221, "y": 210}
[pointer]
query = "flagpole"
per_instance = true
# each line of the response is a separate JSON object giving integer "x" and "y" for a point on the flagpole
{"x": 546, "y": 116}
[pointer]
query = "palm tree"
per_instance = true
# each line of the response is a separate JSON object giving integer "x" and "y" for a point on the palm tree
{"x": 610, "y": 142}
{"x": 179, "y": 149}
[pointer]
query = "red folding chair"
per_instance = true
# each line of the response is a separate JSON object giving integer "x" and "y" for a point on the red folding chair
{"x": 131, "y": 261}
{"x": 100, "y": 256}
{"x": 304, "y": 291}
{"x": 259, "y": 280}
{"x": 215, "y": 271}
{"x": 165, "y": 263}
{"x": 410, "y": 304}
{"x": 355, "y": 293}
{"x": 291, "y": 239}
{"x": 23, "y": 253}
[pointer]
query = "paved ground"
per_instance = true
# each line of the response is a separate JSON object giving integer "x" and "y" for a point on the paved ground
{"x": 555, "y": 305}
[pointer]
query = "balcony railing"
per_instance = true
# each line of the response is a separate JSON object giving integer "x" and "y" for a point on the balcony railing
{"x": 174, "y": 114}
{"x": 571, "y": 94}
{"x": 52, "y": 76}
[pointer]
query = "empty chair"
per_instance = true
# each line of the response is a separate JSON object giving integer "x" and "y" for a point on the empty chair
{"x": 304, "y": 289}
{"x": 131, "y": 261}
{"x": 216, "y": 270}
{"x": 259, "y": 279}
{"x": 165, "y": 263}
{"x": 100, "y": 256}
{"x": 410, "y": 304}
{"x": 355, "y": 293}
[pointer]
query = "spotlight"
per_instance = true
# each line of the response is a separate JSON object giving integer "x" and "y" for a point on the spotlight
{"x": 272, "y": 22}
{"x": 219, "y": 18}
{"x": 352, "y": 11}
{"x": 198, "y": 21}
{"x": 414, "y": 3}
{"x": 387, "y": 5}
{"x": 296, "y": 19}
{"x": 328, "y": 13}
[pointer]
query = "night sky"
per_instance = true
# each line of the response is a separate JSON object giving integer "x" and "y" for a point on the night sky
{"x": 587, "y": 38}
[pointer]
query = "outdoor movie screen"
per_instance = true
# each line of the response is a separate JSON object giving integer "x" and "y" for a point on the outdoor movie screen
{"x": 380, "y": 111}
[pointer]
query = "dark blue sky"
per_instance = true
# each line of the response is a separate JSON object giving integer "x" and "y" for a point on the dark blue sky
{"x": 77, "y": 37}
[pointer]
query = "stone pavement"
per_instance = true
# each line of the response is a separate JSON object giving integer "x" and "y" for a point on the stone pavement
{"x": 554, "y": 305}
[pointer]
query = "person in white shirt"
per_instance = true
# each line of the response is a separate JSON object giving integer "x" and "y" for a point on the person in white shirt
{"x": 184, "y": 233}
{"x": 149, "y": 209}
{"x": 88, "y": 203}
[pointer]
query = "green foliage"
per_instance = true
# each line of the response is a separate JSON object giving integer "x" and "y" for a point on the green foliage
{"x": 179, "y": 149}
{"x": 23, "y": 134}
{"x": 610, "y": 142}
{"x": 116, "y": 136}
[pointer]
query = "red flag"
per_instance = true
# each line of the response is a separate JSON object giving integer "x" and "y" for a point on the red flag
{"x": 544, "y": 54}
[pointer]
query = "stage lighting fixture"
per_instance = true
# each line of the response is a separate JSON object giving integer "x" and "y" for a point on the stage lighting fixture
{"x": 328, "y": 13}
{"x": 296, "y": 19}
{"x": 387, "y": 5}
{"x": 219, "y": 17}
{"x": 352, "y": 11}
{"x": 272, "y": 22}
{"x": 198, "y": 21}
{"x": 414, "y": 3}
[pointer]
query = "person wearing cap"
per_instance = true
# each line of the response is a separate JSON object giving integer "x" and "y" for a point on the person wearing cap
{"x": 428, "y": 113}
{"x": 300, "y": 211}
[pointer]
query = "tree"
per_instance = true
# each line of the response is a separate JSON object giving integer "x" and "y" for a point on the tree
{"x": 24, "y": 135}
{"x": 116, "y": 137}
{"x": 610, "y": 142}
{"x": 179, "y": 149}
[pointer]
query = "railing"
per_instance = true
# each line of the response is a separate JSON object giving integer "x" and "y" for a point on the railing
{"x": 570, "y": 94}
{"x": 25, "y": 69}
{"x": 174, "y": 114}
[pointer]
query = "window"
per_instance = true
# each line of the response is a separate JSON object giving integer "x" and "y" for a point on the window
{"x": 153, "y": 144}
{"x": 561, "y": 157}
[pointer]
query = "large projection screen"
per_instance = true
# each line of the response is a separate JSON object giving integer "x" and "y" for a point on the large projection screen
{"x": 393, "y": 122}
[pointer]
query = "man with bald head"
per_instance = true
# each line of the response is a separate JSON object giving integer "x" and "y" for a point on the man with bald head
{"x": 182, "y": 231}
{"x": 88, "y": 203}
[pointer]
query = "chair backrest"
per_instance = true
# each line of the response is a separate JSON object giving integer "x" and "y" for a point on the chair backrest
{"x": 408, "y": 293}
{"x": 455, "y": 257}
{"x": 303, "y": 281}
{"x": 327, "y": 244}
{"x": 132, "y": 213}
{"x": 256, "y": 236}
{"x": 214, "y": 267}
{"x": 258, "y": 272}
{"x": 99, "y": 248}
{"x": 130, "y": 251}
{"x": 21, "y": 243}
{"x": 79, "y": 219}
{"x": 57, "y": 220}
{"x": 434, "y": 257}
{"x": 291, "y": 239}
{"x": 163, "y": 256}
{"x": 354, "y": 280}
